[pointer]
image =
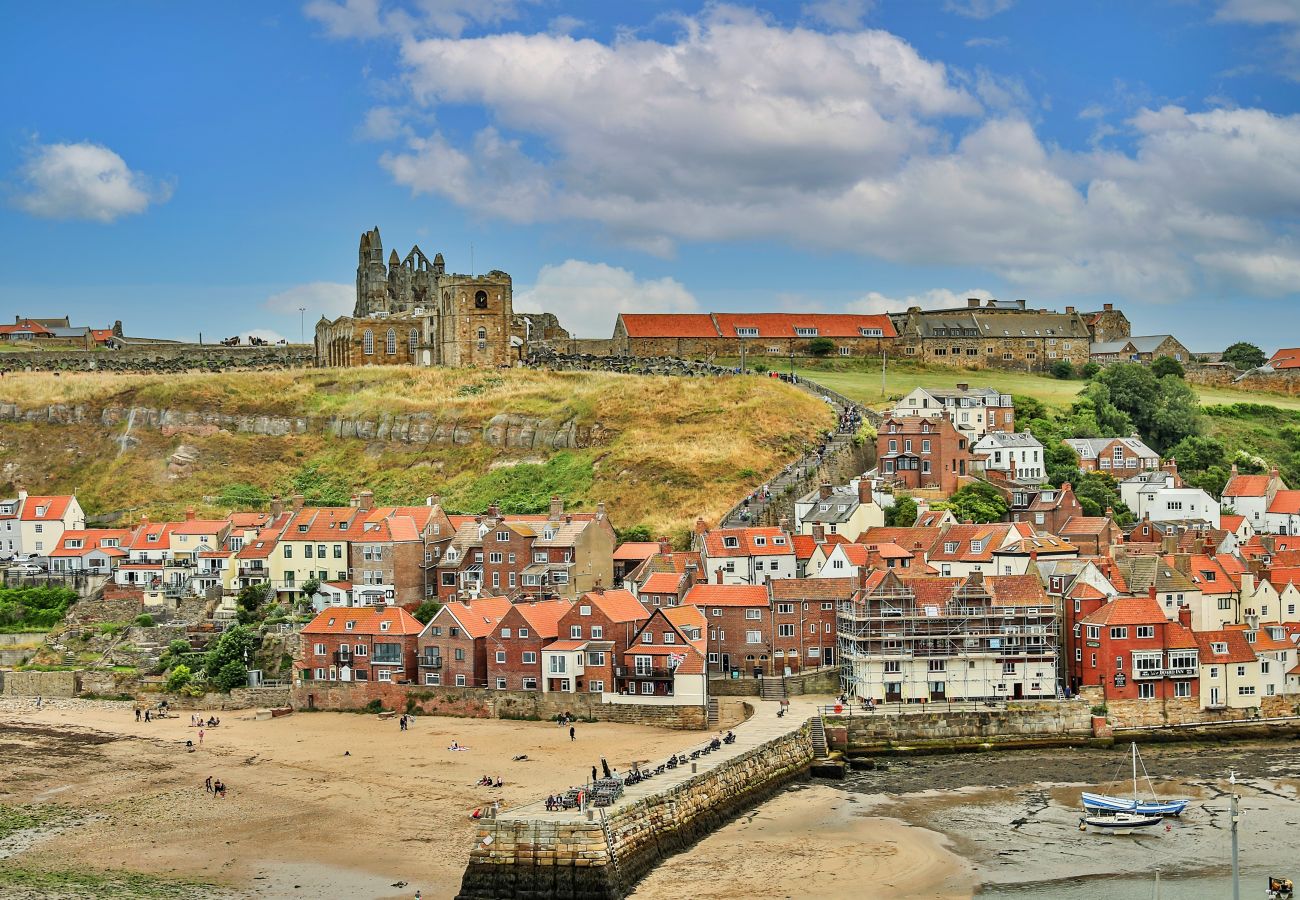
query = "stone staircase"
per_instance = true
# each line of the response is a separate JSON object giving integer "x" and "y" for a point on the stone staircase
{"x": 817, "y": 731}
{"x": 713, "y": 717}
{"x": 771, "y": 688}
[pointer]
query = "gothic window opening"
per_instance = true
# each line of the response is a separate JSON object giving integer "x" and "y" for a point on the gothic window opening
{"x": 368, "y": 342}
{"x": 390, "y": 344}
{"x": 413, "y": 341}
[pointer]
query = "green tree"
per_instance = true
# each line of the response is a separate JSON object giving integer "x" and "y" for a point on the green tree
{"x": 249, "y": 600}
{"x": 232, "y": 675}
{"x": 822, "y": 346}
{"x": 234, "y": 645}
{"x": 1174, "y": 415}
{"x": 1062, "y": 369}
{"x": 426, "y": 611}
{"x": 1167, "y": 365}
{"x": 978, "y": 502}
{"x": 902, "y": 514}
{"x": 1197, "y": 453}
{"x": 1244, "y": 356}
{"x": 1212, "y": 480}
{"x": 1089, "y": 369}
{"x": 633, "y": 533}
{"x": 1098, "y": 491}
{"x": 310, "y": 587}
{"x": 1028, "y": 408}
{"x": 178, "y": 678}
{"x": 1162, "y": 410}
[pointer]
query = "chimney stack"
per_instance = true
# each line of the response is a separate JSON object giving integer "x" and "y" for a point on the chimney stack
{"x": 600, "y": 510}
{"x": 1184, "y": 615}
{"x": 557, "y": 507}
{"x": 700, "y": 525}
{"x": 819, "y": 534}
{"x": 718, "y": 573}
{"x": 433, "y": 500}
{"x": 189, "y": 514}
{"x": 783, "y": 523}
{"x": 366, "y": 500}
{"x": 1069, "y": 310}
{"x": 963, "y": 386}
{"x": 864, "y": 490}
{"x": 298, "y": 501}
{"x": 692, "y": 571}
{"x": 824, "y": 490}
{"x": 972, "y": 302}
{"x": 1107, "y": 307}
{"x": 665, "y": 545}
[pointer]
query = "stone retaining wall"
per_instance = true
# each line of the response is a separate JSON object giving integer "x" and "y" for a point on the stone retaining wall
{"x": 508, "y": 430}
{"x": 1146, "y": 713}
{"x": 486, "y": 703}
{"x": 822, "y": 681}
{"x": 1017, "y": 723}
{"x": 161, "y": 358}
{"x": 40, "y": 684}
{"x": 599, "y": 860}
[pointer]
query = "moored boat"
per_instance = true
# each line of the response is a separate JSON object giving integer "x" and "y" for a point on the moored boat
{"x": 1119, "y": 823}
{"x": 1103, "y": 803}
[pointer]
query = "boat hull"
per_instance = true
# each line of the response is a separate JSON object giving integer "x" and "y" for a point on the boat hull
{"x": 1104, "y": 803}
{"x": 1119, "y": 823}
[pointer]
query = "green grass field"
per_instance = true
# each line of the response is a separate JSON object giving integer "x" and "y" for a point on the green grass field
{"x": 863, "y": 383}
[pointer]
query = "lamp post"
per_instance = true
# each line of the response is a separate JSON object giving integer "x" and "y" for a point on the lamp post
{"x": 302, "y": 326}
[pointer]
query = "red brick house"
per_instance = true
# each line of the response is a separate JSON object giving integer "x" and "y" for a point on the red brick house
{"x": 917, "y": 452}
{"x": 453, "y": 646}
{"x": 739, "y": 626}
{"x": 1133, "y": 652}
{"x": 803, "y": 620}
{"x": 667, "y": 658}
{"x": 514, "y": 646}
{"x": 630, "y": 554}
{"x": 363, "y": 643}
{"x": 592, "y": 636}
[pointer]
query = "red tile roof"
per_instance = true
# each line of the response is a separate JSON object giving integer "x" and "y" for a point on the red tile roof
{"x": 478, "y": 618}
{"x": 544, "y": 616}
{"x": 662, "y": 583}
{"x": 748, "y": 541}
{"x": 1285, "y": 503}
{"x": 565, "y": 645}
{"x": 54, "y": 506}
{"x": 1246, "y": 486}
{"x": 366, "y": 619}
{"x": 199, "y": 526}
{"x": 1286, "y": 358}
{"x": 619, "y": 605}
{"x": 813, "y": 588}
{"x": 92, "y": 539}
{"x": 726, "y": 595}
{"x": 1127, "y": 611}
{"x": 783, "y": 325}
{"x": 1229, "y": 522}
{"x": 27, "y": 326}
{"x": 989, "y": 536}
{"x": 1238, "y": 650}
{"x": 669, "y": 325}
{"x": 636, "y": 551}
{"x": 907, "y": 538}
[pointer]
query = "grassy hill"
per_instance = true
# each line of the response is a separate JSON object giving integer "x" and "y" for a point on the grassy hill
{"x": 668, "y": 448}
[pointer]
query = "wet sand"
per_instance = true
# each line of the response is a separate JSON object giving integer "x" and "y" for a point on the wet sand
{"x": 813, "y": 841}
{"x": 300, "y": 819}
{"x": 1003, "y": 825}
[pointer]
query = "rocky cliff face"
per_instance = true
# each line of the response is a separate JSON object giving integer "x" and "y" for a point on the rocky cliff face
{"x": 505, "y": 430}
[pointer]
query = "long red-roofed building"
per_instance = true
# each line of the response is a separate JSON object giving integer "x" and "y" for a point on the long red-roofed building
{"x": 723, "y": 334}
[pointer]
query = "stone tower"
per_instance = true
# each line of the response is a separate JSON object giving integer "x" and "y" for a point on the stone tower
{"x": 372, "y": 276}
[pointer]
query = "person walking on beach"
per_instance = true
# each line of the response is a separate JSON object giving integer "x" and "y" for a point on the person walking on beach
{"x": 137, "y": 714}
{"x": 200, "y": 737}
{"x": 207, "y": 784}
{"x": 571, "y": 734}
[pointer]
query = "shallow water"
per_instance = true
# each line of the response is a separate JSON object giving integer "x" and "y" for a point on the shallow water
{"x": 1186, "y": 887}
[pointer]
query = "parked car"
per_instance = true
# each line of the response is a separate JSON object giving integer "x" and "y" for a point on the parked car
{"x": 26, "y": 569}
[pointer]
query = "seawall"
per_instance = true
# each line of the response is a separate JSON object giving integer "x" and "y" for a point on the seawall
{"x": 567, "y": 855}
{"x": 1021, "y": 724}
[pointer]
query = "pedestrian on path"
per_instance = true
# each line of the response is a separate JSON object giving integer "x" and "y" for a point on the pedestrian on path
{"x": 200, "y": 737}
{"x": 572, "y": 736}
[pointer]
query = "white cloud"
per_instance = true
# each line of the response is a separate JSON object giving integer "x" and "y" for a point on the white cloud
{"x": 383, "y": 123}
{"x": 1267, "y": 273}
{"x": 1260, "y": 12}
{"x": 587, "y": 297}
{"x": 374, "y": 18}
{"x": 565, "y": 24}
{"x": 84, "y": 181}
{"x": 318, "y": 298}
{"x": 843, "y": 14}
{"x": 978, "y": 9}
{"x": 1282, "y": 46}
{"x": 729, "y": 131}
{"x": 875, "y": 303}
{"x": 987, "y": 42}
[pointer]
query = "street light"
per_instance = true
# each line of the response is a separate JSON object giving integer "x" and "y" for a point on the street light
{"x": 302, "y": 328}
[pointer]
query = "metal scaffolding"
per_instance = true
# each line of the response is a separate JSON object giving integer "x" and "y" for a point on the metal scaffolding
{"x": 961, "y": 640}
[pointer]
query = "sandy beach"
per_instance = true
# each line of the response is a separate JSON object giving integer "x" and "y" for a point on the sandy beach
{"x": 301, "y": 818}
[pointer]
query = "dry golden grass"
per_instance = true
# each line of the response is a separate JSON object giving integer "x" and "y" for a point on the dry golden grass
{"x": 670, "y": 448}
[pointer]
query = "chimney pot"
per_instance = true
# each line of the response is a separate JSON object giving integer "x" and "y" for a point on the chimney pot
{"x": 277, "y": 507}
{"x": 972, "y": 302}
{"x": 557, "y": 506}
{"x": 1107, "y": 307}
{"x": 665, "y": 545}
{"x": 1069, "y": 310}
{"x": 189, "y": 514}
{"x": 298, "y": 501}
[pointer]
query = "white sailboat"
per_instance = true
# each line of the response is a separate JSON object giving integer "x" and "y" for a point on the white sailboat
{"x": 1104, "y": 803}
{"x": 1120, "y": 821}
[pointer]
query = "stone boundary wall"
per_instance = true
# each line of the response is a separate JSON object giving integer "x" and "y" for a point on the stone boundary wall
{"x": 40, "y": 684}
{"x": 508, "y": 430}
{"x": 605, "y": 859}
{"x": 546, "y": 358}
{"x": 821, "y": 681}
{"x": 161, "y": 358}
{"x": 948, "y": 729}
{"x": 487, "y": 703}
{"x": 1187, "y": 711}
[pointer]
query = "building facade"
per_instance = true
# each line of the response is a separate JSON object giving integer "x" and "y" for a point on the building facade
{"x": 993, "y": 334}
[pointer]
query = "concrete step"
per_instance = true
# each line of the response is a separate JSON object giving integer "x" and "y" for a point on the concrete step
{"x": 713, "y": 717}
{"x": 817, "y": 731}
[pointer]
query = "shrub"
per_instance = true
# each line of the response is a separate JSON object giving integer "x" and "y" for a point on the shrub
{"x": 232, "y": 675}
{"x": 426, "y": 611}
{"x": 178, "y": 678}
{"x": 374, "y": 706}
{"x": 1062, "y": 369}
{"x": 144, "y": 620}
{"x": 821, "y": 346}
{"x": 1099, "y": 710}
{"x": 111, "y": 629}
{"x": 1089, "y": 369}
{"x": 1167, "y": 365}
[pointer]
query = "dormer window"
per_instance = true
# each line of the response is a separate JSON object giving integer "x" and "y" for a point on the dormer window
{"x": 383, "y": 626}
{"x": 779, "y": 540}
{"x": 976, "y": 546}
{"x": 806, "y": 332}
{"x": 950, "y": 547}
{"x": 731, "y": 542}
{"x": 1250, "y": 637}
{"x": 760, "y": 541}
{"x": 349, "y": 625}
{"x": 747, "y": 332}
{"x": 1218, "y": 649}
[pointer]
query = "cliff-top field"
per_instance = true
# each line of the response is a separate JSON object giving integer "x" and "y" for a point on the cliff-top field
{"x": 666, "y": 449}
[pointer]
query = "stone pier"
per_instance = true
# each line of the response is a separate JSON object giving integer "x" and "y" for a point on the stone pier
{"x": 601, "y": 854}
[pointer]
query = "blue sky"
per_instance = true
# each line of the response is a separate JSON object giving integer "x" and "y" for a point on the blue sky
{"x": 209, "y": 168}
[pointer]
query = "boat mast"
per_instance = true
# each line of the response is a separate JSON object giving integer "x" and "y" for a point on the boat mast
{"x": 1236, "y": 884}
{"x": 1135, "y": 775}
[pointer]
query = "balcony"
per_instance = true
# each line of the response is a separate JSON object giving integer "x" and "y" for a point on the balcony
{"x": 430, "y": 662}
{"x": 1148, "y": 674}
{"x": 1181, "y": 672}
{"x": 644, "y": 674}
